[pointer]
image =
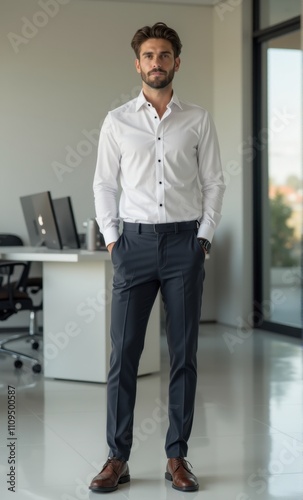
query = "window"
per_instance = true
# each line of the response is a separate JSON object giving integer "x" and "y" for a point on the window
{"x": 278, "y": 176}
{"x": 276, "y": 11}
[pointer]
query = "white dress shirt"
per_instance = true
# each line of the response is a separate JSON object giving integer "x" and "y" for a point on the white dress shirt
{"x": 169, "y": 168}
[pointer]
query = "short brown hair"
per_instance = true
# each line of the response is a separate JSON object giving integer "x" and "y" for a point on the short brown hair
{"x": 158, "y": 30}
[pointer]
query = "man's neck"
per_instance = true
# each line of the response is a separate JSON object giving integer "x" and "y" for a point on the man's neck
{"x": 159, "y": 98}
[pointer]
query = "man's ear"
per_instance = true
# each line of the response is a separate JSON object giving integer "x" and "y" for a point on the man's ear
{"x": 177, "y": 63}
{"x": 137, "y": 64}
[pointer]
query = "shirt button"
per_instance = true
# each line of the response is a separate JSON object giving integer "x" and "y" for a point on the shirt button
{"x": 161, "y": 205}
{"x": 156, "y": 117}
{"x": 159, "y": 161}
{"x": 159, "y": 138}
{"x": 160, "y": 182}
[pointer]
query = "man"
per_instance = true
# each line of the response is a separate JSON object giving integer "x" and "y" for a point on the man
{"x": 164, "y": 152}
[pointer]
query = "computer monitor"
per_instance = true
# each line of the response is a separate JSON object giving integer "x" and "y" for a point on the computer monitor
{"x": 31, "y": 221}
{"x": 66, "y": 222}
{"x": 44, "y": 219}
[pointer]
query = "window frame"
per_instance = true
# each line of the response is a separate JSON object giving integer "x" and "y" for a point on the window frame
{"x": 261, "y": 36}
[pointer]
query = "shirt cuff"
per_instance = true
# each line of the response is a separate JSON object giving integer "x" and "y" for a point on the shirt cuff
{"x": 206, "y": 232}
{"x": 111, "y": 235}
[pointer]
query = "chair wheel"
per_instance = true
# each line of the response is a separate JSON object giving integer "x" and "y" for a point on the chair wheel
{"x": 35, "y": 344}
{"x": 36, "y": 368}
{"x": 18, "y": 363}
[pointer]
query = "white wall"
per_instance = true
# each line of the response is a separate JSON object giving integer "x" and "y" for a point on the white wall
{"x": 64, "y": 80}
{"x": 232, "y": 114}
{"x": 79, "y": 65}
{"x": 61, "y": 79}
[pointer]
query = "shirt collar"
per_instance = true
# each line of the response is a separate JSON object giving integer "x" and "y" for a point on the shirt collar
{"x": 141, "y": 100}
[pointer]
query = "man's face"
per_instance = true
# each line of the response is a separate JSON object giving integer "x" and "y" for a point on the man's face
{"x": 157, "y": 63}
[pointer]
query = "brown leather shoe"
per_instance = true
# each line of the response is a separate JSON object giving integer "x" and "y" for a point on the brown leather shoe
{"x": 114, "y": 472}
{"x": 178, "y": 472}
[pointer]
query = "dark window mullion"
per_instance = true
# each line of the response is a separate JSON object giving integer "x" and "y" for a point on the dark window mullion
{"x": 257, "y": 180}
{"x": 256, "y": 15}
{"x": 280, "y": 29}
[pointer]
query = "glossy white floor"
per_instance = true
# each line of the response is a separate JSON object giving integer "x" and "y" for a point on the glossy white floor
{"x": 246, "y": 443}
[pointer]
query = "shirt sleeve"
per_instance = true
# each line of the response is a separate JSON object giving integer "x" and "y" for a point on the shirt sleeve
{"x": 211, "y": 178}
{"x": 105, "y": 184}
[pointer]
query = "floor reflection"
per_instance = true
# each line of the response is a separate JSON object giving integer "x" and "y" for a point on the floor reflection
{"x": 246, "y": 442}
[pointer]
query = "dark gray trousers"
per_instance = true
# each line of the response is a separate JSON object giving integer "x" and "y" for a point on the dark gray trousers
{"x": 173, "y": 261}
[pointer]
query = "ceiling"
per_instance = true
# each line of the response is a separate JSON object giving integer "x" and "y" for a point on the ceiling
{"x": 175, "y": 2}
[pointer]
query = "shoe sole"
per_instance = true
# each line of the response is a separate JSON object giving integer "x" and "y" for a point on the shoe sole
{"x": 169, "y": 477}
{"x": 122, "y": 480}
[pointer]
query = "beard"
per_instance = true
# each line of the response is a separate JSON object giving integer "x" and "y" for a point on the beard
{"x": 158, "y": 82}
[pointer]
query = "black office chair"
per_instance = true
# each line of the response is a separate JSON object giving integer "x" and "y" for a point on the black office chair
{"x": 13, "y": 298}
{"x": 32, "y": 286}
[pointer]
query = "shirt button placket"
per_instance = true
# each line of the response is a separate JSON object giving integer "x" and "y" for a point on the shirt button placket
{"x": 160, "y": 173}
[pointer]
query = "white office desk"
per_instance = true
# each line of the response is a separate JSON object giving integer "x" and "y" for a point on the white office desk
{"x": 76, "y": 313}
